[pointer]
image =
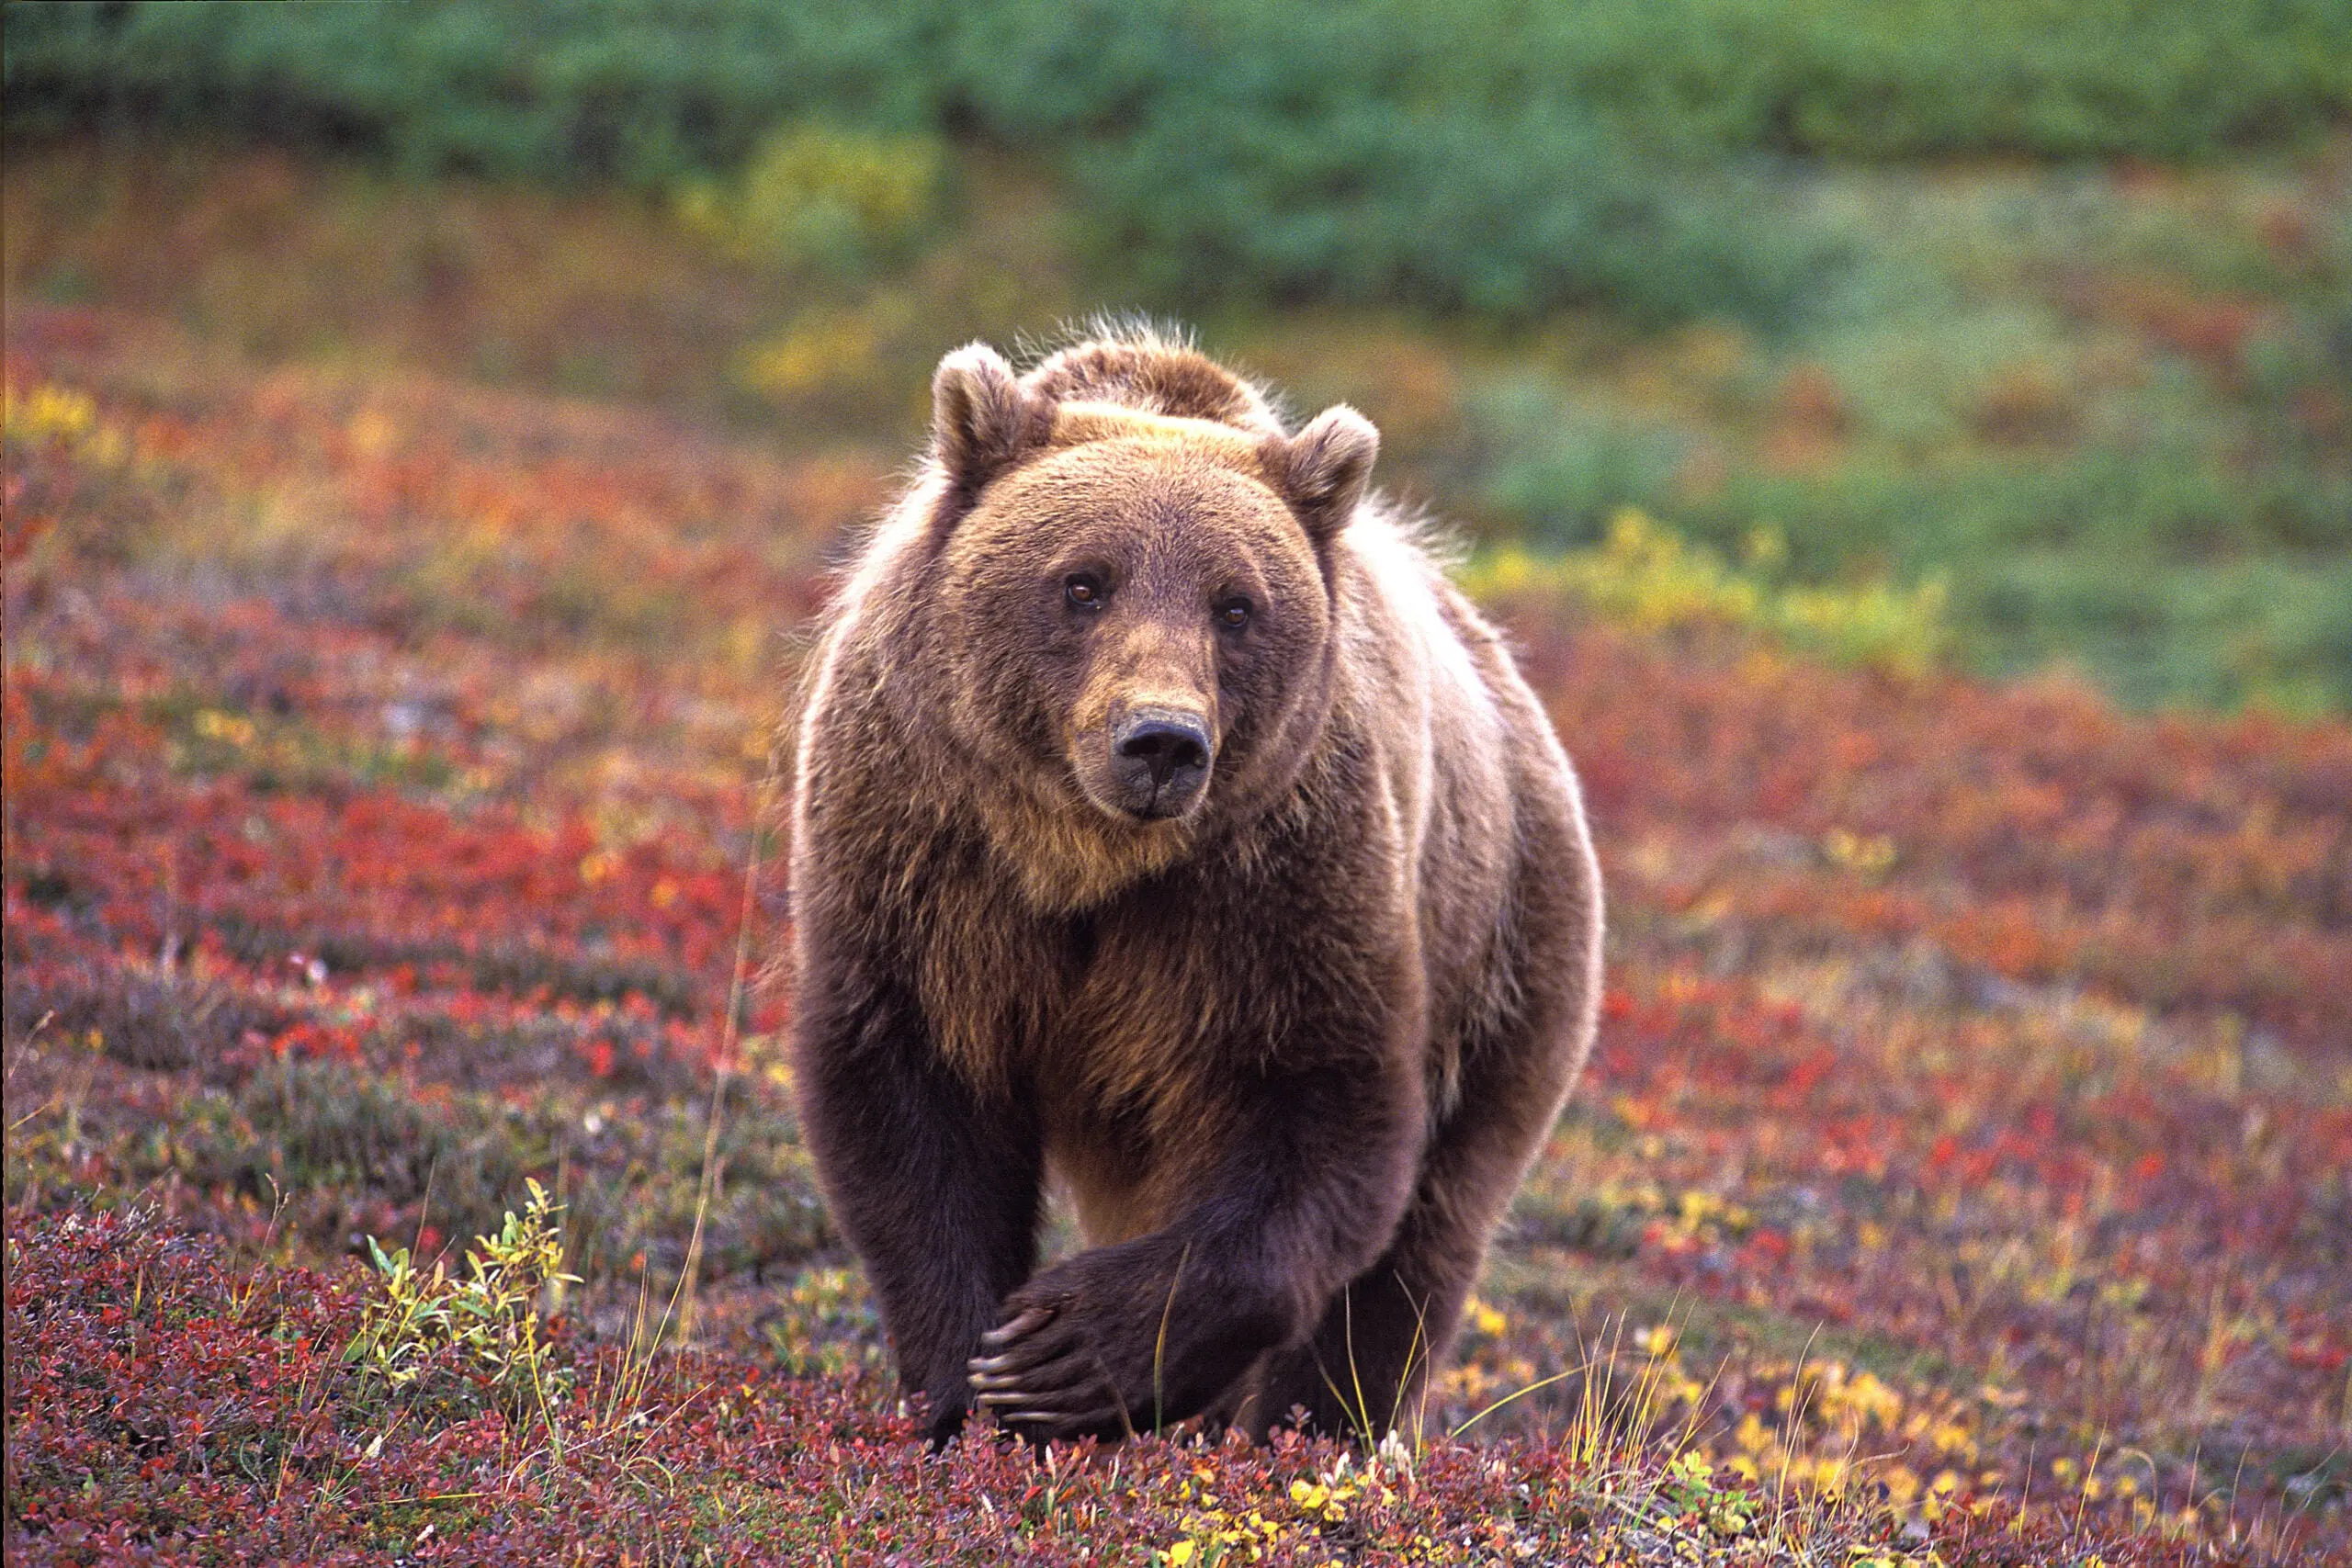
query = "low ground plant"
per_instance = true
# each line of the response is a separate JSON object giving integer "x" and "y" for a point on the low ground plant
{"x": 489, "y": 1317}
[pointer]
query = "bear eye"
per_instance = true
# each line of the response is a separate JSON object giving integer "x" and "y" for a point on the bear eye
{"x": 1233, "y": 614}
{"x": 1084, "y": 591}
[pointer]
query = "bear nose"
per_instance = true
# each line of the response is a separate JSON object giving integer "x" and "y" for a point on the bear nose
{"x": 1166, "y": 745}
{"x": 1163, "y": 756}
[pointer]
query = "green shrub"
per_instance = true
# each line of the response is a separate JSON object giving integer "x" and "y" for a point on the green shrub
{"x": 1911, "y": 78}
{"x": 2174, "y": 576}
{"x": 816, "y": 194}
{"x": 2274, "y": 629}
{"x": 644, "y": 89}
{"x": 1861, "y": 78}
{"x": 1559, "y": 472}
{"x": 1343, "y": 152}
{"x": 1366, "y": 196}
{"x": 489, "y": 1317}
{"x": 1464, "y": 154}
{"x": 2165, "y": 507}
{"x": 640, "y": 90}
{"x": 1651, "y": 579}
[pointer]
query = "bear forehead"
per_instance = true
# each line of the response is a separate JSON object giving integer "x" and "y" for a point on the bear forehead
{"x": 1079, "y": 423}
{"x": 1204, "y": 480}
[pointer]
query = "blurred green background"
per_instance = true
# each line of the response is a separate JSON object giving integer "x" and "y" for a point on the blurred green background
{"x": 2010, "y": 333}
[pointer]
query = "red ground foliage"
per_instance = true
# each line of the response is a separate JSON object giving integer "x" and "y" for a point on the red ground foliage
{"x": 171, "y": 1408}
{"x": 1963, "y": 1170}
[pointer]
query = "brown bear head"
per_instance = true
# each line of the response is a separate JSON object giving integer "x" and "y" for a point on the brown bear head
{"x": 1138, "y": 607}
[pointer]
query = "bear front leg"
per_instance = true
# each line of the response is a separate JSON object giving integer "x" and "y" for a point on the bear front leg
{"x": 1303, "y": 1191}
{"x": 937, "y": 1190}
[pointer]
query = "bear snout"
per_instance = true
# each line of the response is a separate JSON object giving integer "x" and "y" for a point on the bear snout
{"x": 1160, "y": 762}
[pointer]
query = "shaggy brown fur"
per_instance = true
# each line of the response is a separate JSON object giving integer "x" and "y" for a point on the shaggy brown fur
{"x": 1165, "y": 824}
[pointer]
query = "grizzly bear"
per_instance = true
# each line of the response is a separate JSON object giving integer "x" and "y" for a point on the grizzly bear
{"x": 1166, "y": 826}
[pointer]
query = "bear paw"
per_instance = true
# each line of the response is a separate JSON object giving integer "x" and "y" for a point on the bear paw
{"x": 1104, "y": 1345}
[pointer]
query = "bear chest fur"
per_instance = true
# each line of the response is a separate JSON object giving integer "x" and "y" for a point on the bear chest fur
{"x": 1132, "y": 1030}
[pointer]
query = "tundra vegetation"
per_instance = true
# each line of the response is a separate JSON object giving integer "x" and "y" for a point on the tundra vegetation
{"x": 415, "y": 474}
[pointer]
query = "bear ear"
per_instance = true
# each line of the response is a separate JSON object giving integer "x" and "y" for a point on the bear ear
{"x": 1322, "y": 471}
{"x": 981, "y": 420}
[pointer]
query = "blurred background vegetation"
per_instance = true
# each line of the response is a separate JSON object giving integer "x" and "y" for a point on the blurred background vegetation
{"x": 2007, "y": 332}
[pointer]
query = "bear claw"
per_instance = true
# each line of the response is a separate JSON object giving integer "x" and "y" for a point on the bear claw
{"x": 1029, "y": 1322}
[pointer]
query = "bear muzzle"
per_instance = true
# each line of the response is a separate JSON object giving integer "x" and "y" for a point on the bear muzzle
{"x": 1160, "y": 762}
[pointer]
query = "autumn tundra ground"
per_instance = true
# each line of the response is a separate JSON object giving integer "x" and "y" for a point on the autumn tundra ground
{"x": 1965, "y": 1174}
